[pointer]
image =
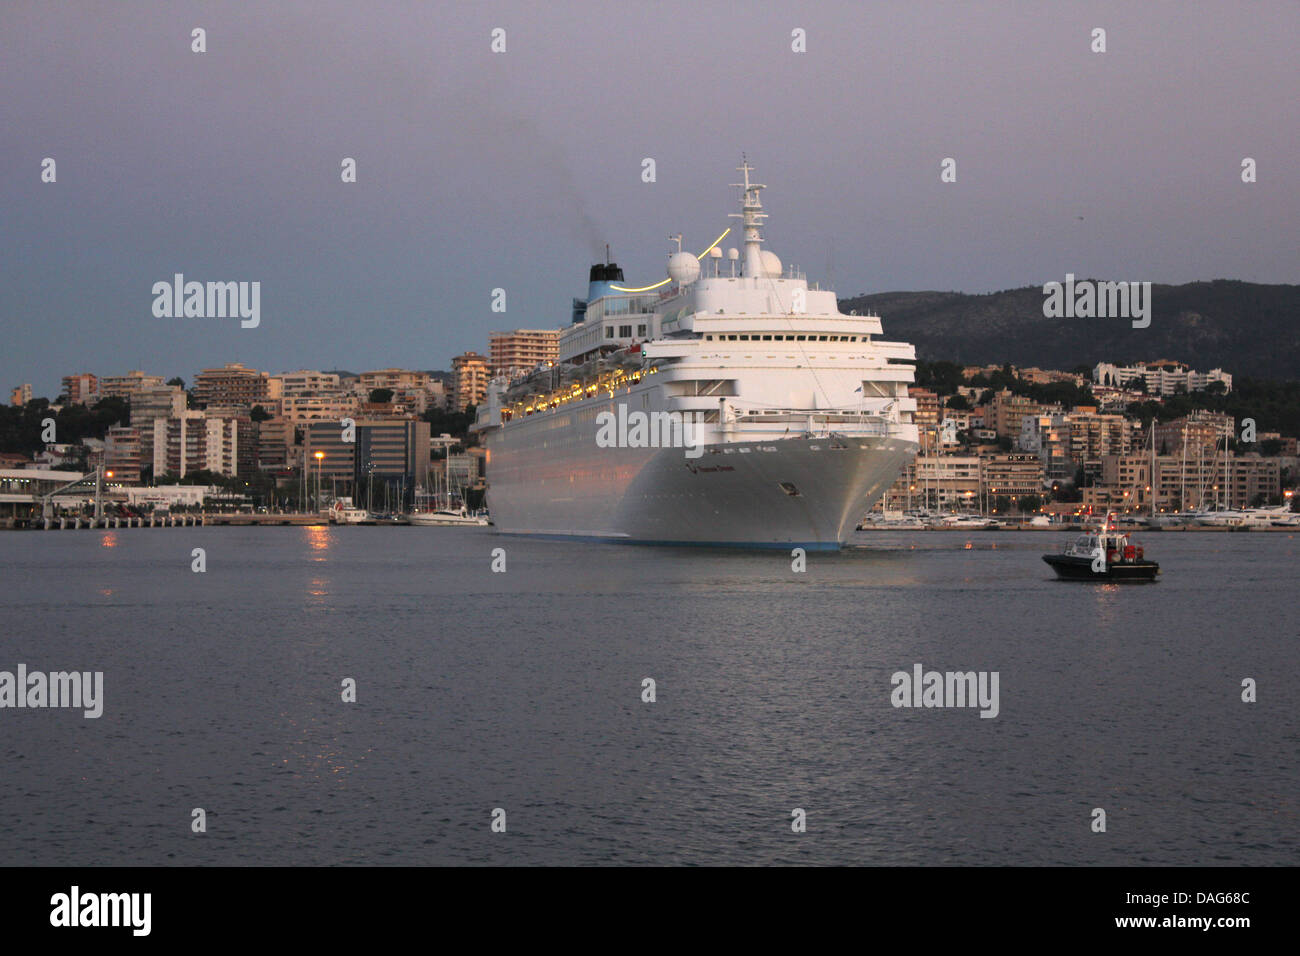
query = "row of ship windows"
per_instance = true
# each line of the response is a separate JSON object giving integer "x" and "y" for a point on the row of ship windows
{"x": 785, "y": 338}
{"x": 624, "y": 331}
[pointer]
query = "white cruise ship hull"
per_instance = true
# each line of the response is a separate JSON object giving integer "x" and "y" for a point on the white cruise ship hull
{"x": 797, "y": 416}
{"x": 798, "y": 492}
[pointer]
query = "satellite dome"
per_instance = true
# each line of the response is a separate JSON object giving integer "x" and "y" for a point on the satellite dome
{"x": 771, "y": 264}
{"x": 683, "y": 267}
{"x": 733, "y": 253}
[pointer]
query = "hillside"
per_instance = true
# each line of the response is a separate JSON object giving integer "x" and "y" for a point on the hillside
{"x": 1242, "y": 327}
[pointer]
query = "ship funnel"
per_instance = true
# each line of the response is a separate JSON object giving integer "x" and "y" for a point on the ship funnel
{"x": 603, "y": 275}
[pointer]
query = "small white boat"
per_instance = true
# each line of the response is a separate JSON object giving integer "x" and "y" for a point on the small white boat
{"x": 342, "y": 512}
{"x": 892, "y": 521}
{"x": 964, "y": 523}
{"x": 1276, "y": 516}
{"x": 1230, "y": 518}
{"x": 446, "y": 517}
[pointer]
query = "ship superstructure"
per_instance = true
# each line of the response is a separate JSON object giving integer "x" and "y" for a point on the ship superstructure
{"x": 731, "y": 404}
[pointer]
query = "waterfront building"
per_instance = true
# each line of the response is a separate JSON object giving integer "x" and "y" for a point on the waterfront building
{"x": 383, "y": 450}
{"x": 123, "y": 454}
{"x": 274, "y": 438}
{"x": 1172, "y": 483}
{"x": 1010, "y": 476}
{"x": 1199, "y": 431}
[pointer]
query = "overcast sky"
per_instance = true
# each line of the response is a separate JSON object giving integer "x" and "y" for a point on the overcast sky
{"x": 479, "y": 170}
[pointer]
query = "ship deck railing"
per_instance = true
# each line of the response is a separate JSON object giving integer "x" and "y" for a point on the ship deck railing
{"x": 822, "y": 423}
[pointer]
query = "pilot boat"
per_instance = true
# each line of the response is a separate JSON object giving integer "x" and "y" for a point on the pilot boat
{"x": 1106, "y": 554}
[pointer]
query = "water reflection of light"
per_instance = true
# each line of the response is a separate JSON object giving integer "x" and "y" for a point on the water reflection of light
{"x": 108, "y": 540}
{"x": 319, "y": 539}
{"x": 1107, "y": 607}
{"x": 314, "y": 750}
{"x": 318, "y": 588}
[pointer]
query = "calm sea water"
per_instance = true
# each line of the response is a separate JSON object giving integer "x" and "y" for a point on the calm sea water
{"x": 522, "y": 690}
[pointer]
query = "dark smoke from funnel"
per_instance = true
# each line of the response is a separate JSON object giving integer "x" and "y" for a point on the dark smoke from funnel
{"x": 493, "y": 125}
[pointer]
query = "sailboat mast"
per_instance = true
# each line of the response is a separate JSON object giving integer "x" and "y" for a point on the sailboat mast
{"x": 1152, "y": 476}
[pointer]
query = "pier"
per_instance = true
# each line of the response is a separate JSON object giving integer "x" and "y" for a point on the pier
{"x": 79, "y": 522}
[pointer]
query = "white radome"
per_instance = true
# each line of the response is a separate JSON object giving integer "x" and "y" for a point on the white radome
{"x": 683, "y": 267}
{"x": 771, "y": 264}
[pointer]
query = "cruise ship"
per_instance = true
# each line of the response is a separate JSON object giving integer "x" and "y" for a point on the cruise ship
{"x": 730, "y": 404}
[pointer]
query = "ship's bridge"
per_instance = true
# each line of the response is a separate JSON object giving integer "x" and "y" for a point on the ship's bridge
{"x": 725, "y": 306}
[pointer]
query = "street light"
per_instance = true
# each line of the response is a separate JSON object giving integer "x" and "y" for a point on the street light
{"x": 320, "y": 456}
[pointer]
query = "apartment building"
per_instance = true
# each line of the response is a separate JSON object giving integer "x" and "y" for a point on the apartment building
{"x": 927, "y": 413}
{"x": 81, "y": 389}
{"x": 1006, "y": 412}
{"x": 1172, "y": 483}
{"x": 1198, "y": 432}
{"x": 303, "y": 407}
{"x": 232, "y": 384}
{"x": 1163, "y": 377}
{"x": 469, "y": 373}
{"x": 122, "y": 454}
{"x": 521, "y": 351}
{"x": 125, "y": 386}
{"x": 1010, "y": 476}
{"x": 381, "y": 449}
{"x": 274, "y": 438}
{"x": 194, "y": 442}
{"x": 412, "y": 390}
{"x": 302, "y": 382}
{"x": 936, "y": 481}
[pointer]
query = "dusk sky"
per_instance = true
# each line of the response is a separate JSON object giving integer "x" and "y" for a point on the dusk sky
{"x": 479, "y": 170}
